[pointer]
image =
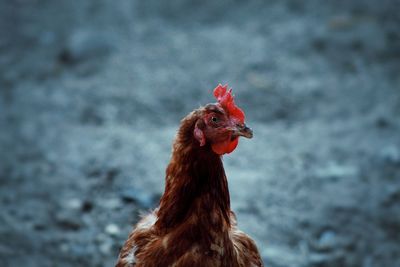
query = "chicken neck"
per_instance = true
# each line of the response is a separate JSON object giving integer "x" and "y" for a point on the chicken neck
{"x": 196, "y": 192}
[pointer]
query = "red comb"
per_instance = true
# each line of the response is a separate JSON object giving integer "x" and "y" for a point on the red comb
{"x": 225, "y": 99}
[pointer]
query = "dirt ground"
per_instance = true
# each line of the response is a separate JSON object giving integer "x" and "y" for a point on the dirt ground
{"x": 92, "y": 92}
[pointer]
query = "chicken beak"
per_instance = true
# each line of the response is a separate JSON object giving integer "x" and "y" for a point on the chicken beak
{"x": 243, "y": 130}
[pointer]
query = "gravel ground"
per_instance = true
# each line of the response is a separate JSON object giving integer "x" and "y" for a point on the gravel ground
{"x": 92, "y": 92}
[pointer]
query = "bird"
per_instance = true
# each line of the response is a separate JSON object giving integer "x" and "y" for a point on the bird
{"x": 194, "y": 225}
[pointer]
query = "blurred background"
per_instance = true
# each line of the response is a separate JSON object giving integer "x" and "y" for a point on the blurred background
{"x": 92, "y": 93}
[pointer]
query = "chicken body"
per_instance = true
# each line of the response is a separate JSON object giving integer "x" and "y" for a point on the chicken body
{"x": 193, "y": 225}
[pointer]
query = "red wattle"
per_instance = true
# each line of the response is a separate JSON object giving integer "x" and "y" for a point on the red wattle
{"x": 225, "y": 147}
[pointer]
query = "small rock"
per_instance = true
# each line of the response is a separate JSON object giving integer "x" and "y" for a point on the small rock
{"x": 319, "y": 44}
{"x": 78, "y": 204}
{"x": 281, "y": 256}
{"x": 47, "y": 38}
{"x": 390, "y": 154}
{"x": 258, "y": 80}
{"x": 104, "y": 243}
{"x": 101, "y": 237}
{"x": 39, "y": 227}
{"x": 73, "y": 203}
{"x": 382, "y": 122}
{"x": 112, "y": 229}
{"x": 327, "y": 241}
{"x": 111, "y": 174}
{"x": 341, "y": 22}
{"x": 327, "y": 259}
{"x": 367, "y": 262}
{"x": 68, "y": 221}
{"x": 110, "y": 204}
{"x": 64, "y": 247}
{"x": 392, "y": 197}
{"x": 68, "y": 224}
{"x": 105, "y": 248}
{"x": 84, "y": 45}
{"x": 87, "y": 206}
{"x": 80, "y": 250}
{"x": 90, "y": 116}
{"x": 141, "y": 198}
{"x": 336, "y": 171}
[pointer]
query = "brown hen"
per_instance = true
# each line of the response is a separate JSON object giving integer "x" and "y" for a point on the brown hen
{"x": 194, "y": 225}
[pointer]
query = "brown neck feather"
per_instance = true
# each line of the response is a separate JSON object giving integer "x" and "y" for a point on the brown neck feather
{"x": 196, "y": 184}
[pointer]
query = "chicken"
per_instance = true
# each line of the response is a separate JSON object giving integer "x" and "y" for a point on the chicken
{"x": 194, "y": 225}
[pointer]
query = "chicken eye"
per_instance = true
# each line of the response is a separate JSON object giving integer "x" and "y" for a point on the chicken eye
{"x": 214, "y": 119}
